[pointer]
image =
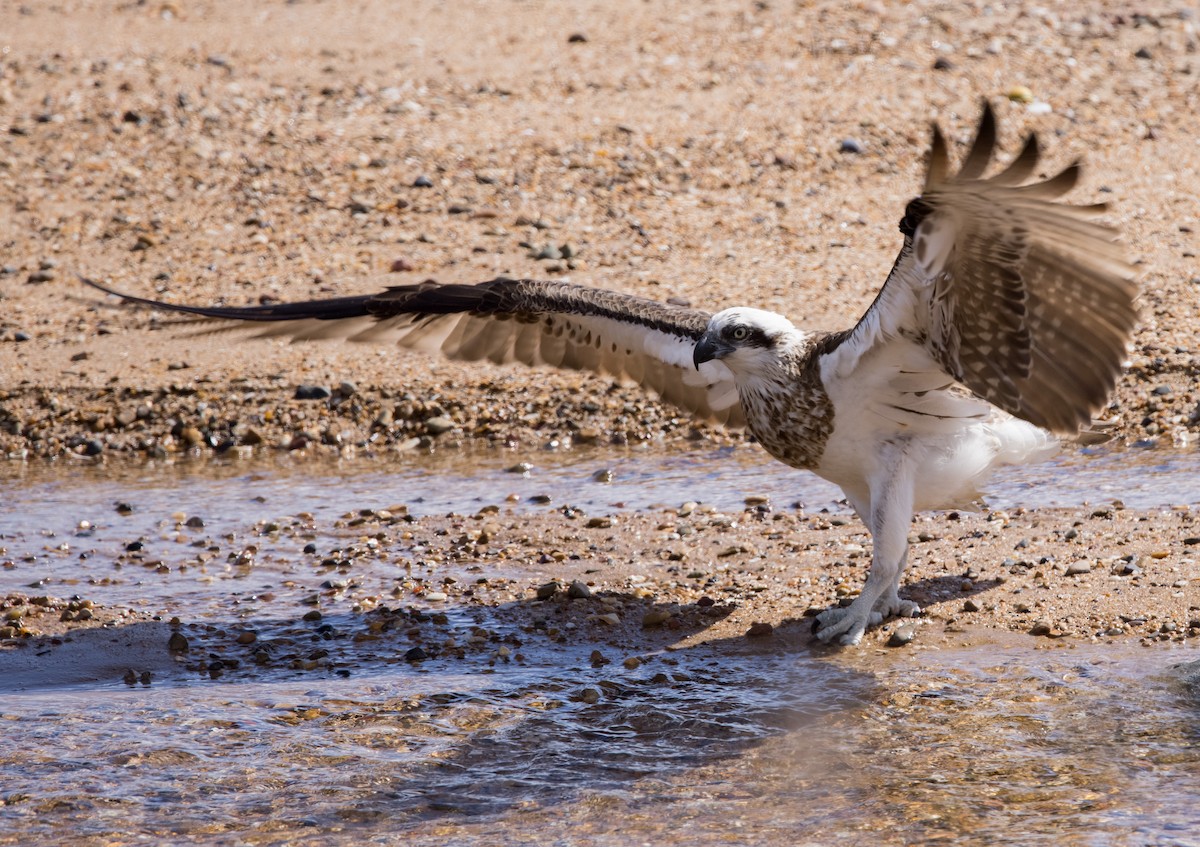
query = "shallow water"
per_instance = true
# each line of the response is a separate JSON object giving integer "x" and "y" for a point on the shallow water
{"x": 719, "y": 744}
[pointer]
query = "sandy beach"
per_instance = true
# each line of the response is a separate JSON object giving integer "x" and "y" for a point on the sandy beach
{"x": 721, "y": 154}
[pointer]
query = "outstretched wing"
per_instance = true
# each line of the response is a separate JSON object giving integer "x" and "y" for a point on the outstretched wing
{"x": 534, "y": 322}
{"x": 1026, "y": 301}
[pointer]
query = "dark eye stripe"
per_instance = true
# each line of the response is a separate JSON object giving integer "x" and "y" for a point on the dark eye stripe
{"x": 754, "y": 337}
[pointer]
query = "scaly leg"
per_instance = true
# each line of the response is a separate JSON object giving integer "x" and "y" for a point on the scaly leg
{"x": 889, "y": 515}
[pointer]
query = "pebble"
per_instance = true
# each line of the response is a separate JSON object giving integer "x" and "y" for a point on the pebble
{"x": 902, "y": 635}
{"x": 611, "y": 618}
{"x": 577, "y": 590}
{"x": 1076, "y": 568}
{"x": 603, "y": 475}
{"x": 1041, "y": 627}
{"x": 439, "y": 425}
{"x": 760, "y": 629}
{"x": 1020, "y": 94}
{"x": 850, "y": 145}
{"x": 436, "y": 596}
{"x": 545, "y": 592}
{"x": 601, "y": 522}
{"x": 177, "y": 643}
{"x": 416, "y": 654}
{"x": 632, "y": 663}
{"x": 970, "y": 606}
{"x": 655, "y": 617}
{"x": 422, "y": 182}
{"x": 312, "y": 392}
{"x": 590, "y": 695}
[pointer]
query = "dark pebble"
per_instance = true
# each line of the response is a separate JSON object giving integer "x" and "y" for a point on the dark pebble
{"x": 545, "y": 592}
{"x": 850, "y": 145}
{"x": 902, "y": 636}
{"x": 1144, "y": 53}
{"x": 943, "y": 64}
{"x": 577, "y": 38}
{"x": 21, "y": 336}
{"x": 422, "y": 182}
{"x": 177, "y": 643}
{"x": 312, "y": 392}
{"x": 416, "y": 654}
{"x": 310, "y": 548}
{"x": 760, "y": 630}
{"x": 93, "y": 448}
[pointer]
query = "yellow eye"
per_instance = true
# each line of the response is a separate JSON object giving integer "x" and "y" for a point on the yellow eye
{"x": 739, "y": 333}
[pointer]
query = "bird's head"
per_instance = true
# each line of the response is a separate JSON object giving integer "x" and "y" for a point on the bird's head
{"x": 746, "y": 340}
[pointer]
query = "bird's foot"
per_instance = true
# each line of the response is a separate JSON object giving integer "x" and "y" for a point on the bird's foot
{"x": 848, "y": 624}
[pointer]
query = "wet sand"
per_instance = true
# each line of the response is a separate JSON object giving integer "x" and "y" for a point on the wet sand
{"x": 235, "y": 153}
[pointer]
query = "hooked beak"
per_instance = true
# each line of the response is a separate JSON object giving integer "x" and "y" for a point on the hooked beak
{"x": 707, "y": 349}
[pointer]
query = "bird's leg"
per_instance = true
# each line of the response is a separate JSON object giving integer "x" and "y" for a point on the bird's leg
{"x": 888, "y": 519}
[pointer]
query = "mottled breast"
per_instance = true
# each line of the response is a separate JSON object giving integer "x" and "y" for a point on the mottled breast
{"x": 790, "y": 413}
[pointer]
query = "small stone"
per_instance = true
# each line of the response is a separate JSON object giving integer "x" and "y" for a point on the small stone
{"x": 1020, "y": 94}
{"x": 177, "y": 643}
{"x": 438, "y": 425}
{"x": 312, "y": 392}
{"x": 612, "y": 619}
{"x": 314, "y": 615}
{"x": 655, "y": 617}
{"x": 850, "y": 145}
{"x": 1041, "y": 627}
{"x": 247, "y": 637}
{"x": 578, "y": 590}
{"x": 601, "y": 522}
{"x": 422, "y": 182}
{"x": 545, "y": 592}
{"x": 902, "y": 635}
{"x": 590, "y": 695}
{"x": 760, "y": 629}
{"x": 21, "y": 335}
{"x": 577, "y": 38}
{"x": 548, "y": 252}
{"x": 416, "y": 654}
{"x": 436, "y": 596}
{"x": 400, "y": 266}
{"x": 632, "y": 663}
{"x": 603, "y": 475}
{"x": 346, "y": 388}
{"x": 943, "y": 64}
{"x": 970, "y": 606}
{"x": 1143, "y": 53}
{"x": 1076, "y": 568}
{"x": 191, "y": 436}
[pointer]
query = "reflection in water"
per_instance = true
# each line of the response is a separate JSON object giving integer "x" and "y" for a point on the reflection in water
{"x": 1042, "y": 748}
{"x": 714, "y": 745}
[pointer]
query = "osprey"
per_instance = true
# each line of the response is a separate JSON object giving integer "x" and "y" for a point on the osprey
{"x": 1001, "y": 327}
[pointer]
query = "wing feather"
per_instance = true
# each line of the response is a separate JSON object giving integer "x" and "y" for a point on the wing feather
{"x": 1027, "y": 302}
{"x": 533, "y": 322}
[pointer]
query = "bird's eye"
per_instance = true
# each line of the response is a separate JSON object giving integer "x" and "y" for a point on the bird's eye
{"x": 739, "y": 333}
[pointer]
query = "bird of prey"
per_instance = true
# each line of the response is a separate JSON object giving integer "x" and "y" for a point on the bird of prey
{"x": 1001, "y": 328}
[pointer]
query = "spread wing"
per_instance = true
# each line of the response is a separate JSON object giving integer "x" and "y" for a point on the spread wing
{"x": 1026, "y": 301}
{"x": 533, "y": 322}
